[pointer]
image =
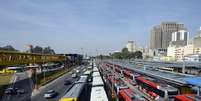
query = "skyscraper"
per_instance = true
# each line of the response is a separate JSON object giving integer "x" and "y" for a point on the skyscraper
{"x": 197, "y": 39}
{"x": 179, "y": 38}
{"x": 156, "y": 38}
{"x": 161, "y": 35}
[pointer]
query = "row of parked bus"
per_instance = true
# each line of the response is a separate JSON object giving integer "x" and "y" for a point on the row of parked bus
{"x": 156, "y": 89}
{"x": 98, "y": 92}
{"x": 117, "y": 86}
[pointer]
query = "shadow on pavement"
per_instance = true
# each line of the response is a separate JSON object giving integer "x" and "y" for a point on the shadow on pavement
{"x": 24, "y": 84}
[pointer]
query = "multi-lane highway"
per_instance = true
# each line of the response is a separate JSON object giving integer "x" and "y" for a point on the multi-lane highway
{"x": 22, "y": 81}
{"x": 58, "y": 86}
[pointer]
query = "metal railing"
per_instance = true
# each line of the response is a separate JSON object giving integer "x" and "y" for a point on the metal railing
{"x": 14, "y": 58}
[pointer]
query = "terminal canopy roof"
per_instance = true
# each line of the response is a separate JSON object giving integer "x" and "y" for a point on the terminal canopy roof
{"x": 193, "y": 81}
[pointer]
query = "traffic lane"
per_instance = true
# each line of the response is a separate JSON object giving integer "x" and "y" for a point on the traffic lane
{"x": 61, "y": 90}
{"x": 22, "y": 82}
{"x": 58, "y": 86}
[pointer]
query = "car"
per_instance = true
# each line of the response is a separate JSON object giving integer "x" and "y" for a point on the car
{"x": 74, "y": 75}
{"x": 89, "y": 79}
{"x": 67, "y": 82}
{"x": 11, "y": 91}
{"x": 21, "y": 91}
{"x": 77, "y": 71}
{"x": 50, "y": 94}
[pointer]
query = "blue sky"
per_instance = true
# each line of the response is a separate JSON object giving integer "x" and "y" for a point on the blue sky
{"x": 103, "y": 25}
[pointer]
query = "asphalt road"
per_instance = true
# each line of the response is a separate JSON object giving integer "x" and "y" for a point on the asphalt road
{"x": 58, "y": 86}
{"x": 22, "y": 82}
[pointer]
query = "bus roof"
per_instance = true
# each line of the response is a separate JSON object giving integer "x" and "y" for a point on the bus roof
{"x": 33, "y": 66}
{"x": 96, "y": 74}
{"x": 82, "y": 79}
{"x": 15, "y": 67}
{"x": 89, "y": 67}
{"x": 98, "y": 94}
{"x": 95, "y": 69}
{"x": 194, "y": 81}
{"x": 74, "y": 92}
{"x": 88, "y": 72}
{"x": 97, "y": 81}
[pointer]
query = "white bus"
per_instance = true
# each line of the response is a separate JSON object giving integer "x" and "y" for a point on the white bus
{"x": 96, "y": 74}
{"x": 98, "y": 94}
{"x": 88, "y": 72}
{"x": 95, "y": 69}
{"x": 97, "y": 81}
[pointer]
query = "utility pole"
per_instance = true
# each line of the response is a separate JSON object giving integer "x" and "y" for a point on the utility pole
{"x": 43, "y": 64}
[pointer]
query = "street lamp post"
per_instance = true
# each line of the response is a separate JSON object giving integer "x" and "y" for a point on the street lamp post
{"x": 82, "y": 51}
{"x": 113, "y": 67}
{"x": 44, "y": 66}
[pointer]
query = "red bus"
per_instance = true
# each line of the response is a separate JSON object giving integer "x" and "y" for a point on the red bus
{"x": 155, "y": 88}
{"x": 187, "y": 97}
{"x": 129, "y": 95}
{"x": 129, "y": 74}
{"x": 116, "y": 83}
{"x": 117, "y": 69}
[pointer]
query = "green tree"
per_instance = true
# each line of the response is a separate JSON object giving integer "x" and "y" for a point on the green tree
{"x": 40, "y": 50}
{"x": 48, "y": 50}
{"x": 8, "y": 48}
{"x": 117, "y": 55}
{"x": 125, "y": 50}
{"x": 37, "y": 49}
{"x": 138, "y": 55}
{"x": 124, "y": 53}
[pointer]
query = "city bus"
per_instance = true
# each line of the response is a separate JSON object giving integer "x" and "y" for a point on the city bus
{"x": 128, "y": 95}
{"x": 187, "y": 97}
{"x": 78, "y": 92}
{"x": 97, "y": 91}
{"x": 95, "y": 69}
{"x": 98, "y": 94}
{"x": 96, "y": 74}
{"x": 97, "y": 81}
{"x": 155, "y": 88}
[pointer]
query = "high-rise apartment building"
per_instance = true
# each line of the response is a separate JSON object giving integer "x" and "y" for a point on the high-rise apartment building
{"x": 131, "y": 46}
{"x": 197, "y": 39}
{"x": 179, "y": 38}
{"x": 161, "y": 35}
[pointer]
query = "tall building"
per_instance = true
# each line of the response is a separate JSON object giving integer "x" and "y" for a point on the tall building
{"x": 179, "y": 38}
{"x": 189, "y": 52}
{"x": 197, "y": 39}
{"x": 161, "y": 35}
{"x": 131, "y": 46}
{"x": 156, "y": 38}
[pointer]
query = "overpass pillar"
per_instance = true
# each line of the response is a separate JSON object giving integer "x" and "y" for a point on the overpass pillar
{"x": 198, "y": 92}
{"x": 183, "y": 67}
{"x": 32, "y": 73}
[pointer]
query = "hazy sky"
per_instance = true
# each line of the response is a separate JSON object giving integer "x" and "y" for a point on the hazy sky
{"x": 102, "y": 25}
